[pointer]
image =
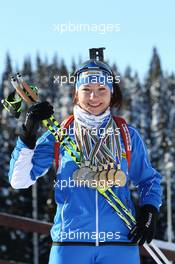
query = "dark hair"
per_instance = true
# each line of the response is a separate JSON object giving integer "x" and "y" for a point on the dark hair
{"x": 116, "y": 98}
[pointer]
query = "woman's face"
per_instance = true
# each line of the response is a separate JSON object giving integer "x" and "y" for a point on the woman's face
{"x": 94, "y": 97}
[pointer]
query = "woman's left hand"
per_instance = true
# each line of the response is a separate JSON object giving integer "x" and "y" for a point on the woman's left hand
{"x": 145, "y": 228}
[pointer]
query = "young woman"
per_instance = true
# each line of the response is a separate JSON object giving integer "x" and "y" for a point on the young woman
{"x": 87, "y": 230}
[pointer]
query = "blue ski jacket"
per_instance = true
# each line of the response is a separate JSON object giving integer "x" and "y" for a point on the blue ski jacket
{"x": 83, "y": 214}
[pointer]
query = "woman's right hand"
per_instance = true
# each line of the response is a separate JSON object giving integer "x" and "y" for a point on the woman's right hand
{"x": 36, "y": 113}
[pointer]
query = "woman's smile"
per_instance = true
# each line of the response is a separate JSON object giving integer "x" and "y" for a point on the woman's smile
{"x": 94, "y": 105}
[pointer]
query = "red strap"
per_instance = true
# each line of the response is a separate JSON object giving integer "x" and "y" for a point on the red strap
{"x": 121, "y": 123}
{"x": 56, "y": 154}
{"x": 64, "y": 124}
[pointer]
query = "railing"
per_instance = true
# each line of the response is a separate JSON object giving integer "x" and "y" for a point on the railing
{"x": 37, "y": 226}
{"x": 25, "y": 224}
{"x": 10, "y": 262}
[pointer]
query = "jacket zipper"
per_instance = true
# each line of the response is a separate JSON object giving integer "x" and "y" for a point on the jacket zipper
{"x": 97, "y": 219}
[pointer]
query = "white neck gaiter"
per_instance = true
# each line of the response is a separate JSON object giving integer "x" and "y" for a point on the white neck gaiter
{"x": 88, "y": 120}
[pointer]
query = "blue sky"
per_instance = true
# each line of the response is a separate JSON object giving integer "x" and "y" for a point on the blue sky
{"x": 27, "y": 27}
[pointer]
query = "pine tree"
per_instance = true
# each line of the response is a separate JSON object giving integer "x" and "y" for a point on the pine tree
{"x": 27, "y": 70}
{"x": 13, "y": 201}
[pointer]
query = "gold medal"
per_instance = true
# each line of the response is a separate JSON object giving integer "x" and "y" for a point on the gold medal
{"x": 105, "y": 166}
{"x": 103, "y": 182}
{"x": 90, "y": 182}
{"x": 100, "y": 168}
{"x": 111, "y": 177}
{"x": 111, "y": 165}
{"x": 96, "y": 177}
{"x": 120, "y": 178}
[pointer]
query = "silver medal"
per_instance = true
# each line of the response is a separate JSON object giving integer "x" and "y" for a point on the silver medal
{"x": 80, "y": 175}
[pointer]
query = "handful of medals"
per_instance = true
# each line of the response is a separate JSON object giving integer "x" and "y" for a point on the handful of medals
{"x": 103, "y": 176}
{"x": 101, "y": 158}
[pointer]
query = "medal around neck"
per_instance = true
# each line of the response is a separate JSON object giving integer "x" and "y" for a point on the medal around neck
{"x": 120, "y": 178}
{"x": 103, "y": 181}
{"x": 92, "y": 179}
{"x": 80, "y": 175}
{"x": 111, "y": 177}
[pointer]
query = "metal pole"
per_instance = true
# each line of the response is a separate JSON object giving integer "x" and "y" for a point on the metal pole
{"x": 35, "y": 216}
